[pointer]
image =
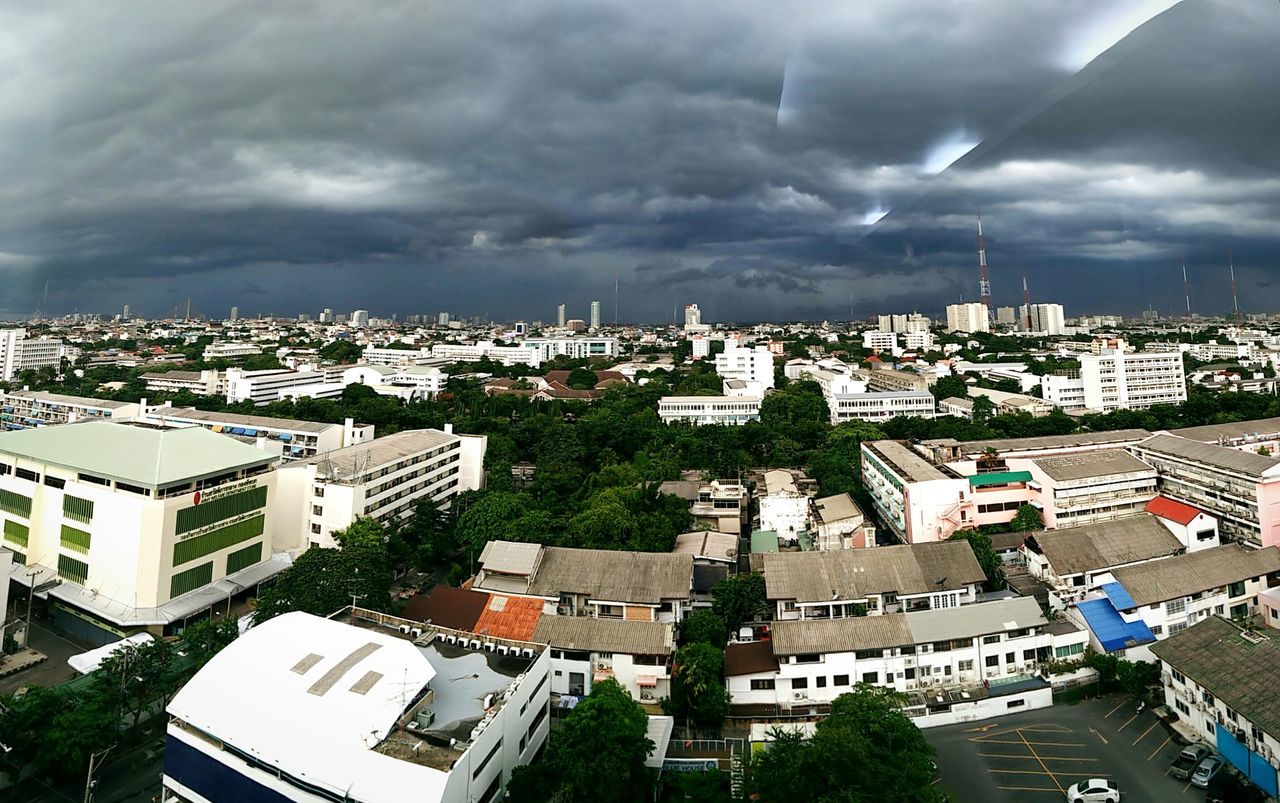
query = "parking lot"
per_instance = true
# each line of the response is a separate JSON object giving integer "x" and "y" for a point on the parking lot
{"x": 1038, "y": 755}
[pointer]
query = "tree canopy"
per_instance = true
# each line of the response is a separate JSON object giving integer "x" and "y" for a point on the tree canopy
{"x": 739, "y": 599}
{"x": 322, "y": 581}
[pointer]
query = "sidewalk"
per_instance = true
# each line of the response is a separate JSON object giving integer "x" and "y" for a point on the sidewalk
{"x": 20, "y": 660}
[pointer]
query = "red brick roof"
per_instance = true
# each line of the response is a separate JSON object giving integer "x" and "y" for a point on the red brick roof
{"x": 508, "y": 617}
{"x": 1173, "y": 510}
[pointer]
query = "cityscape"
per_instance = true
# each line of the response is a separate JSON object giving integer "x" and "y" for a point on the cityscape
{"x": 577, "y": 404}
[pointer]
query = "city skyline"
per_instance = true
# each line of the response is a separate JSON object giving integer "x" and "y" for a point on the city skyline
{"x": 771, "y": 163}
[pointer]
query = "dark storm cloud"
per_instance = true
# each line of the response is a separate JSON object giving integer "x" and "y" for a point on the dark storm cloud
{"x": 502, "y": 158}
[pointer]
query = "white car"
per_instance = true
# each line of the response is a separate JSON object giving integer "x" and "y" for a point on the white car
{"x": 1094, "y": 790}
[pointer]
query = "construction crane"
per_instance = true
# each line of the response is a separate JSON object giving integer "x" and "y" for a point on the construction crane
{"x": 1026, "y": 297}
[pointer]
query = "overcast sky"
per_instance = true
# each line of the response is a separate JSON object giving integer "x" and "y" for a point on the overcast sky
{"x": 765, "y": 160}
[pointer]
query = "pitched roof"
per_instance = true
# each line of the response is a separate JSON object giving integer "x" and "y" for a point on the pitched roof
{"x": 1173, "y": 510}
{"x": 856, "y": 573}
{"x": 1242, "y": 672}
{"x": 137, "y": 455}
{"x": 454, "y": 608}
{"x": 1180, "y": 576}
{"x": 1074, "y": 550}
{"x": 1246, "y": 463}
{"x": 1210, "y": 433}
{"x": 707, "y": 544}
{"x": 971, "y": 621}
{"x": 508, "y": 617}
{"x": 809, "y": 636}
{"x": 605, "y": 635}
{"x": 1090, "y": 465}
{"x": 1110, "y": 628}
{"x": 641, "y": 577}
{"x": 749, "y": 657}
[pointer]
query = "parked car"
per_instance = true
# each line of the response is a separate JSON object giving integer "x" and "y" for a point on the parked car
{"x": 1185, "y": 764}
{"x": 1204, "y": 773}
{"x": 1094, "y": 790}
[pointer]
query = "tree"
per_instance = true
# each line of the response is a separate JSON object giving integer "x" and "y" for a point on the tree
{"x": 490, "y": 518}
{"x": 581, "y": 379}
{"x": 597, "y": 754}
{"x": 990, "y": 562}
{"x": 1028, "y": 517}
{"x": 136, "y": 677}
{"x": 704, "y": 627}
{"x": 206, "y": 638}
{"x": 322, "y": 581}
{"x": 739, "y": 599}
{"x": 341, "y": 352}
{"x": 983, "y": 409}
{"x": 950, "y": 387}
{"x": 866, "y": 751}
{"x": 697, "y": 685}
{"x": 54, "y": 729}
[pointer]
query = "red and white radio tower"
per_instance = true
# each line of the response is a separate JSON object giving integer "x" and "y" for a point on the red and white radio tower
{"x": 984, "y": 281}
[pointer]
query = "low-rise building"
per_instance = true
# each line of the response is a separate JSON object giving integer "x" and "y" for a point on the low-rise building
{"x": 290, "y": 438}
{"x": 784, "y": 508}
{"x": 888, "y": 380}
{"x": 1093, "y": 486}
{"x": 1192, "y": 526}
{"x": 917, "y": 500}
{"x": 838, "y": 523}
{"x": 383, "y": 479}
{"x": 264, "y": 387}
{"x": 880, "y": 406}
{"x": 21, "y": 409}
{"x": 751, "y": 365}
{"x": 487, "y": 350}
{"x": 373, "y": 355}
{"x": 301, "y": 708}
{"x": 575, "y": 348}
{"x": 1076, "y": 560}
{"x": 230, "y": 351}
{"x": 703, "y": 410}
{"x": 427, "y": 381}
{"x": 1221, "y": 679}
{"x": 586, "y": 650}
{"x": 200, "y": 383}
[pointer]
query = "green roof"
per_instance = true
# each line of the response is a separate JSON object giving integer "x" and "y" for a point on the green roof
{"x": 764, "y": 541}
{"x": 999, "y": 478}
{"x": 136, "y": 455}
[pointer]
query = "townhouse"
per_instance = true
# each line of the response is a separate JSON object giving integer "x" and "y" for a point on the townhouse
{"x": 1077, "y": 560}
{"x": 586, "y": 650}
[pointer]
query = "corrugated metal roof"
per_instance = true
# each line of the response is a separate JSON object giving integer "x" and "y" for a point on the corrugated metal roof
{"x": 1089, "y": 465}
{"x": 1073, "y": 550}
{"x": 971, "y": 621}
{"x": 1247, "y": 463}
{"x": 811, "y": 636}
{"x": 1161, "y": 580}
{"x": 641, "y": 577}
{"x": 1173, "y": 510}
{"x": 605, "y": 635}
{"x": 856, "y": 573}
{"x": 837, "y": 508}
{"x": 1111, "y": 630}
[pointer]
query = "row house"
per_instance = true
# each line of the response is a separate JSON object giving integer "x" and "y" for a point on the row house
{"x": 1077, "y": 560}
{"x": 587, "y": 650}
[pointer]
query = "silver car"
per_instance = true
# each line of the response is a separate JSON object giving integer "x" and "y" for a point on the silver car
{"x": 1204, "y": 773}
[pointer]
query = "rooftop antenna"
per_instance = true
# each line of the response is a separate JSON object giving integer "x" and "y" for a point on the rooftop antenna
{"x": 984, "y": 281}
{"x": 1026, "y": 297}
{"x": 615, "y": 301}
{"x": 1186, "y": 287}
{"x": 1235, "y": 301}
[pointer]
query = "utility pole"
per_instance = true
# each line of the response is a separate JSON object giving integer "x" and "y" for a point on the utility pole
{"x": 94, "y": 764}
{"x": 31, "y": 594}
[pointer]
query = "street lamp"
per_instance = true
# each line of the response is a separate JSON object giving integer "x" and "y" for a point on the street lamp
{"x": 94, "y": 763}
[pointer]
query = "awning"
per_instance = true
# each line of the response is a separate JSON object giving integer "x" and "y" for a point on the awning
{"x": 249, "y": 431}
{"x": 599, "y": 676}
{"x": 216, "y": 428}
{"x": 646, "y": 680}
{"x": 86, "y": 662}
{"x": 999, "y": 478}
{"x": 286, "y": 437}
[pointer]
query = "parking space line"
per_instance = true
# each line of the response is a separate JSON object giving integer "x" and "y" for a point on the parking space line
{"x": 1167, "y": 739}
{"x": 1039, "y": 772}
{"x": 1144, "y": 733}
{"x": 1029, "y": 789}
{"x": 1037, "y": 756}
{"x": 1053, "y": 777}
{"x": 1098, "y": 734}
{"x": 1037, "y": 744}
{"x": 1127, "y": 721}
{"x": 1117, "y": 708}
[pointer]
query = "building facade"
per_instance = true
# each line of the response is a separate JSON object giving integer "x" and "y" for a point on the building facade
{"x": 20, "y": 353}
{"x": 704, "y": 410}
{"x": 21, "y": 409}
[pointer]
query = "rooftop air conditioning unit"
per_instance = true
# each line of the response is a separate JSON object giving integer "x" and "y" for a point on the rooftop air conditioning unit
{"x": 527, "y": 653}
{"x": 417, "y": 632}
{"x": 475, "y": 644}
{"x": 404, "y": 629}
{"x": 452, "y": 639}
{"x": 502, "y": 649}
{"x": 563, "y": 610}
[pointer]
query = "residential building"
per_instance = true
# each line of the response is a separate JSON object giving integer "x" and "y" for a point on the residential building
{"x": 383, "y": 479}
{"x": 360, "y": 318}
{"x": 358, "y": 711}
{"x": 200, "y": 383}
{"x": 953, "y": 406}
{"x": 702, "y": 410}
{"x": 1005, "y": 402}
{"x": 917, "y": 500}
{"x": 230, "y": 351}
{"x": 838, "y": 523}
{"x": 700, "y": 347}
{"x": 487, "y": 350}
{"x": 144, "y": 527}
{"x": 1046, "y": 318}
{"x": 967, "y": 318}
{"x": 880, "y": 406}
{"x": 607, "y": 584}
{"x": 290, "y": 438}
{"x": 595, "y": 315}
{"x": 1221, "y": 679}
{"x": 266, "y": 386}
{"x": 854, "y": 582}
{"x": 751, "y": 365}
{"x": 1192, "y": 526}
{"x": 20, "y": 409}
{"x": 880, "y": 341}
{"x": 1241, "y": 489}
{"x": 1076, "y": 560}
{"x": 784, "y": 508}
{"x": 887, "y": 380}
{"x": 1120, "y": 380}
{"x": 575, "y": 348}
{"x": 1261, "y": 436}
{"x": 586, "y": 650}
{"x": 718, "y": 505}
{"x": 20, "y": 353}
{"x": 1093, "y": 486}
{"x": 1064, "y": 390}
{"x": 919, "y": 341}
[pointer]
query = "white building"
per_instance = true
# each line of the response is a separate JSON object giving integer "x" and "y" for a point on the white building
{"x": 289, "y": 438}
{"x": 426, "y": 380}
{"x": 266, "y": 386}
{"x": 693, "y": 318}
{"x": 586, "y": 650}
{"x": 301, "y": 708}
{"x": 700, "y": 410}
{"x": 1046, "y": 318}
{"x": 21, "y": 409}
{"x": 838, "y": 523}
{"x": 752, "y": 365}
{"x": 360, "y": 318}
{"x": 880, "y": 341}
{"x": 919, "y": 341}
{"x": 1115, "y": 380}
{"x": 577, "y": 348}
{"x": 967, "y": 318}
{"x": 1077, "y": 560}
{"x": 230, "y": 351}
{"x": 382, "y": 478}
{"x": 487, "y": 350}
{"x": 784, "y": 508}
{"x": 145, "y": 527}
{"x": 1090, "y": 487}
{"x": 373, "y": 355}
{"x": 200, "y": 383}
{"x": 19, "y": 353}
{"x": 595, "y": 315}
{"x": 880, "y": 406}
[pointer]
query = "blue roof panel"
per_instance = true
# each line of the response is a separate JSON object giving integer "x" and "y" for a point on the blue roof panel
{"x": 1112, "y": 631}
{"x": 1119, "y": 596}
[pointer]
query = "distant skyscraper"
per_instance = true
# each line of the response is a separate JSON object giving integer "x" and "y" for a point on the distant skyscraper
{"x": 560, "y": 316}
{"x": 595, "y": 314}
{"x": 443, "y": 319}
{"x": 360, "y": 317}
{"x": 326, "y": 316}
{"x": 1006, "y": 315}
{"x": 126, "y": 312}
{"x": 692, "y": 315}
{"x": 235, "y": 313}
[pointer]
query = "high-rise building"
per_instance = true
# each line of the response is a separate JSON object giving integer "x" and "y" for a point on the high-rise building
{"x": 692, "y": 315}
{"x": 125, "y": 316}
{"x": 560, "y": 319}
{"x": 1006, "y": 315}
{"x": 360, "y": 317}
{"x": 1116, "y": 379}
{"x": 235, "y": 313}
{"x": 970, "y": 317}
{"x": 903, "y": 324}
{"x": 326, "y": 316}
{"x": 443, "y": 319}
{"x": 1047, "y": 318}
{"x": 19, "y": 353}
{"x": 595, "y": 314}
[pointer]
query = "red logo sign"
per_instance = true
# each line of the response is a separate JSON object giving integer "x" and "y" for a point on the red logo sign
{"x": 196, "y": 498}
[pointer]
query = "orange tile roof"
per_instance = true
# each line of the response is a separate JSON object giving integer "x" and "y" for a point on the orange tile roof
{"x": 509, "y": 617}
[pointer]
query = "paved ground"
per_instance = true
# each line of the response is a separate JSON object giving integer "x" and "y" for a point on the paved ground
{"x": 53, "y": 671}
{"x": 1036, "y": 756}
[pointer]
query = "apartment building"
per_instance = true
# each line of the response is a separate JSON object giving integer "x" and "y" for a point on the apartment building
{"x": 264, "y": 387}
{"x": 877, "y": 407}
{"x": 21, "y": 409}
{"x": 1221, "y": 679}
{"x": 292, "y": 439}
{"x": 1116, "y": 380}
{"x": 881, "y": 342}
{"x": 143, "y": 527}
{"x": 200, "y": 383}
{"x": 302, "y": 708}
{"x": 1260, "y": 436}
{"x": 703, "y": 410}
{"x": 887, "y": 380}
{"x": 1239, "y": 488}
{"x": 968, "y": 318}
{"x": 1089, "y": 487}
{"x": 230, "y": 351}
{"x": 853, "y": 582}
{"x": 383, "y": 479}
{"x": 427, "y": 381}
{"x": 20, "y": 353}
{"x": 375, "y": 355}
{"x": 606, "y": 584}
{"x": 922, "y": 502}
{"x": 1076, "y": 560}
{"x": 1046, "y": 318}
{"x": 576, "y": 348}
{"x": 586, "y": 650}
{"x": 488, "y": 350}
{"x": 751, "y": 365}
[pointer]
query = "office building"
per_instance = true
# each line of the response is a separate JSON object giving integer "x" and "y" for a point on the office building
{"x": 290, "y": 438}
{"x": 880, "y": 406}
{"x": 967, "y": 318}
{"x": 266, "y": 386}
{"x": 230, "y": 351}
{"x": 560, "y": 316}
{"x": 1046, "y": 318}
{"x": 692, "y": 315}
{"x": 235, "y": 314}
{"x": 373, "y": 355}
{"x": 376, "y": 709}
{"x": 577, "y": 348}
{"x": 144, "y": 527}
{"x": 595, "y": 315}
{"x": 702, "y": 410}
{"x": 20, "y": 353}
{"x": 1091, "y": 487}
{"x": 360, "y": 318}
{"x": 1115, "y": 380}
{"x": 21, "y": 409}
{"x": 382, "y": 478}
{"x": 751, "y": 365}
{"x": 487, "y": 350}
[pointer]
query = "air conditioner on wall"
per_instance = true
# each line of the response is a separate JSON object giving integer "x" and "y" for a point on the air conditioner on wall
{"x": 602, "y": 665}
{"x": 797, "y": 695}
{"x": 646, "y": 695}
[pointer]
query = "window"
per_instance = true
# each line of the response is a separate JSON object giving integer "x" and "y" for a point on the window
{"x": 1175, "y": 606}
{"x": 319, "y": 491}
{"x": 799, "y": 683}
{"x": 77, "y": 509}
{"x": 1028, "y": 655}
{"x": 15, "y": 503}
{"x": 54, "y": 482}
{"x": 1240, "y": 611}
{"x": 1068, "y": 651}
{"x": 840, "y": 680}
{"x": 821, "y": 682}
{"x": 77, "y": 571}
{"x": 496, "y": 747}
{"x": 991, "y": 639}
{"x": 810, "y": 658}
{"x": 1183, "y": 707}
{"x": 16, "y": 533}
{"x": 1178, "y": 676}
{"x": 909, "y": 673}
{"x": 220, "y": 509}
{"x": 244, "y": 558}
{"x": 1009, "y": 657}
{"x": 27, "y": 474}
{"x": 1236, "y": 589}
{"x": 221, "y": 538}
{"x": 762, "y": 685}
{"x": 1231, "y": 715}
{"x": 316, "y": 510}
{"x": 191, "y": 579}
{"x": 862, "y": 655}
{"x": 315, "y": 529}
{"x": 1157, "y": 630}
{"x": 992, "y": 661}
{"x": 1207, "y": 698}
{"x": 75, "y": 540}
{"x": 1015, "y": 703}
{"x": 870, "y": 677}
{"x": 964, "y": 666}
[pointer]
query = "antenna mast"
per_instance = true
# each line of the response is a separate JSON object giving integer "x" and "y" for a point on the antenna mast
{"x": 1026, "y": 297}
{"x": 1235, "y": 301}
{"x": 984, "y": 281}
{"x": 1186, "y": 287}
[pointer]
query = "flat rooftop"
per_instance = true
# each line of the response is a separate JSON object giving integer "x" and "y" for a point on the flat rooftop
{"x": 1091, "y": 465}
{"x": 353, "y": 462}
{"x": 58, "y": 398}
{"x": 236, "y": 419}
{"x": 1221, "y": 457}
{"x": 905, "y": 461}
{"x": 1080, "y": 440}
